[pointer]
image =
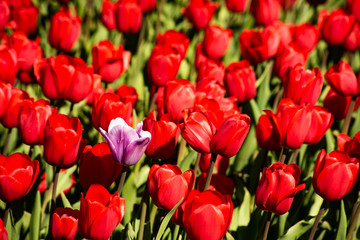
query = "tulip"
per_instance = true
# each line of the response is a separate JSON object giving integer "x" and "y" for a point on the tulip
{"x": 108, "y": 61}
{"x": 147, "y": 5}
{"x": 14, "y": 102}
{"x": 17, "y": 176}
{"x": 127, "y": 94}
{"x": 3, "y": 232}
{"x": 219, "y": 182}
{"x": 230, "y": 136}
{"x": 302, "y": 85}
{"x": 222, "y": 163}
{"x": 200, "y": 12}
{"x": 267, "y": 132}
{"x": 336, "y": 26}
{"x": 338, "y": 105}
{"x": 236, "y": 5}
{"x": 64, "y": 223}
{"x": 8, "y": 65}
{"x": 107, "y": 14}
{"x": 167, "y": 185}
{"x": 306, "y": 36}
{"x": 4, "y": 14}
{"x": 127, "y": 145}
{"x": 109, "y": 107}
{"x": 265, "y": 12}
{"x": 164, "y": 136}
{"x": 207, "y": 215}
{"x": 342, "y": 79}
{"x": 348, "y": 145}
{"x": 284, "y": 30}
{"x": 100, "y": 213}
{"x": 354, "y": 6}
{"x": 216, "y": 41}
{"x": 24, "y": 17}
{"x": 288, "y": 56}
{"x": 94, "y": 158}
{"x": 128, "y": 16}
{"x": 64, "y": 30}
{"x": 277, "y": 188}
{"x": 211, "y": 70}
{"x": 321, "y": 121}
{"x": 287, "y": 4}
{"x": 32, "y": 121}
{"x": 240, "y": 81}
{"x": 179, "y": 96}
{"x": 178, "y": 41}
{"x": 352, "y": 41}
{"x": 64, "y": 77}
{"x": 163, "y": 65}
{"x": 335, "y": 174}
{"x": 258, "y": 46}
{"x": 5, "y": 97}
{"x": 62, "y": 140}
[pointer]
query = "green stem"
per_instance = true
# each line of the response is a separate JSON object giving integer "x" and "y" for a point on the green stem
{"x": 7, "y": 213}
{"x": 122, "y": 179}
{"x": 282, "y": 155}
{"x": 71, "y": 109}
{"x": 317, "y": 220}
{"x": 353, "y": 224}
{"x": 267, "y": 225}
{"x": 347, "y": 121}
{"x": 7, "y": 142}
{"x": 153, "y": 100}
{"x": 210, "y": 171}
{"x": 294, "y": 156}
{"x": 197, "y": 162}
{"x": 181, "y": 151}
{"x": 53, "y": 198}
{"x": 144, "y": 204}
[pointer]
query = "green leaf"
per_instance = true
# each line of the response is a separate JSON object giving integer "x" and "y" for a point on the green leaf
{"x": 298, "y": 229}
{"x": 166, "y": 220}
{"x": 65, "y": 180}
{"x": 35, "y": 217}
{"x": 341, "y": 232}
{"x": 65, "y": 201}
{"x": 255, "y": 109}
{"x": 264, "y": 92}
{"x": 330, "y": 141}
{"x": 247, "y": 150}
{"x": 129, "y": 194}
{"x": 188, "y": 160}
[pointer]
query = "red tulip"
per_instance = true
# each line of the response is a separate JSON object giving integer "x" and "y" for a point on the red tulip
{"x": 267, "y": 132}
{"x": 127, "y": 94}
{"x": 179, "y": 96}
{"x": 352, "y": 41}
{"x": 200, "y": 12}
{"x": 216, "y": 41}
{"x": 258, "y": 46}
{"x": 11, "y": 113}
{"x": 128, "y": 16}
{"x": 4, "y": 14}
{"x": 338, "y": 105}
{"x": 342, "y": 79}
{"x": 8, "y": 65}
{"x": 222, "y": 163}
{"x": 277, "y": 188}
{"x": 24, "y": 17}
{"x": 108, "y": 61}
{"x": 287, "y": 4}
{"x": 64, "y": 77}
{"x": 5, "y": 97}
{"x": 64, "y": 223}
{"x": 236, "y": 5}
{"x": 147, "y": 5}
{"x": 240, "y": 81}
{"x": 265, "y": 12}
{"x": 107, "y": 14}
{"x": 284, "y": 30}
{"x": 354, "y": 6}
{"x": 306, "y": 36}
{"x": 17, "y": 176}
{"x": 351, "y": 146}
{"x": 64, "y": 30}
{"x": 207, "y": 215}
{"x": 210, "y": 88}
{"x": 335, "y": 174}
{"x": 32, "y": 121}
{"x": 302, "y": 85}
{"x": 100, "y": 213}
{"x": 3, "y": 232}
{"x": 211, "y": 70}
{"x": 163, "y": 65}
{"x": 219, "y": 182}
{"x": 164, "y": 136}
{"x": 109, "y": 107}
{"x": 321, "y": 121}
{"x": 94, "y": 158}
{"x": 175, "y": 40}
{"x": 167, "y": 185}
{"x": 336, "y": 26}
{"x": 62, "y": 140}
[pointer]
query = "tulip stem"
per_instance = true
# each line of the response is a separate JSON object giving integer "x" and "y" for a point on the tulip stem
{"x": 282, "y": 156}
{"x": 153, "y": 100}
{"x": 353, "y": 224}
{"x": 53, "y": 198}
{"x": 181, "y": 151}
{"x": 346, "y": 125}
{"x": 7, "y": 142}
{"x": 144, "y": 203}
{"x": 158, "y": 20}
{"x": 7, "y": 213}
{"x": 197, "y": 162}
{"x": 267, "y": 226}
{"x": 277, "y": 99}
{"x": 317, "y": 220}
{"x": 71, "y": 109}
{"x": 122, "y": 179}
{"x": 210, "y": 171}
{"x": 294, "y": 156}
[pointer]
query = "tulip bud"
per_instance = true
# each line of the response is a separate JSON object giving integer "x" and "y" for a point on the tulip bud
{"x": 62, "y": 140}
{"x": 64, "y": 223}
{"x": 127, "y": 94}
{"x": 306, "y": 36}
{"x": 175, "y": 40}
{"x": 211, "y": 70}
{"x": 4, "y": 14}
{"x": 100, "y": 212}
{"x": 335, "y": 174}
{"x": 352, "y": 41}
{"x": 3, "y": 232}
{"x": 17, "y": 176}
{"x": 321, "y": 121}
{"x": 348, "y": 145}
{"x": 128, "y": 16}
{"x": 64, "y": 30}
{"x": 147, "y": 5}
{"x": 236, "y": 5}
{"x": 107, "y": 14}
{"x": 338, "y": 105}
{"x": 167, "y": 185}
{"x": 277, "y": 188}
{"x": 94, "y": 158}
{"x": 265, "y": 12}
{"x": 5, "y": 97}
{"x": 240, "y": 81}
{"x": 267, "y": 132}
{"x": 24, "y": 17}
{"x": 222, "y": 163}
{"x": 8, "y": 65}
{"x": 342, "y": 79}
{"x": 200, "y": 12}
{"x": 216, "y": 41}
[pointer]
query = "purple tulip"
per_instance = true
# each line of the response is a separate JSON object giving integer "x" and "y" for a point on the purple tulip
{"x": 127, "y": 145}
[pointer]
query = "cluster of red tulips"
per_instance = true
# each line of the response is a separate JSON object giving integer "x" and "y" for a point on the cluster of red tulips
{"x": 101, "y": 139}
